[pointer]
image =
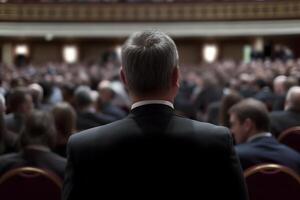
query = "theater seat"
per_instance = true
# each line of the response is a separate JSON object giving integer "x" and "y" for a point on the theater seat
{"x": 291, "y": 138}
{"x": 30, "y": 183}
{"x": 272, "y": 181}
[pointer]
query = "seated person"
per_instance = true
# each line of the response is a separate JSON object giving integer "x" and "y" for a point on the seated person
{"x": 7, "y": 138}
{"x": 87, "y": 117}
{"x": 65, "y": 123}
{"x": 35, "y": 141}
{"x": 105, "y": 99}
{"x": 290, "y": 116}
{"x": 255, "y": 144}
{"x": 20, "y": 104}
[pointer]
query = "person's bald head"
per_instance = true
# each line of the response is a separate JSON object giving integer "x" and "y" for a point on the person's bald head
{"x": 292, "y": 101}
{"x": 279, "y": 85}
{"x": 36, "y": 92}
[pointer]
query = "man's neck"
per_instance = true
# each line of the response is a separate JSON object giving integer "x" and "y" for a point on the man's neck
{"x": 153, "y": 101}
{"x": 158, "y": 96}
{"x": 134, "y": 100}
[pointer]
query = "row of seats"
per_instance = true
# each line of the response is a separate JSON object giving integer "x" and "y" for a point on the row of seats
{"x": 265, "y": 181}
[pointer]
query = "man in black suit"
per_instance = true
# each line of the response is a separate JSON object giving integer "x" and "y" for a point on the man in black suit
{"x": 87, "y": 117}
{"x": 153, "y": 153}
{"x": 36, "y": 140}
{"x": 20, "y": 104}
{"x": 255, "y": 144}
{"x": 290, "y": 117}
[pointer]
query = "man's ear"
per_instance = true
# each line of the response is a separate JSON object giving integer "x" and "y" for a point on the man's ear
{"x": 176, "y": 77}
{"x": 123, "y": 77}
{"x": 248, "y": 124}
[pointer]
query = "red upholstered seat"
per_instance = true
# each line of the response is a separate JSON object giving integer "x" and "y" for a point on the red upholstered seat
{"x": 272, "y": 181}
{"x": 291, "y": 138}
{"x": 30, "y": 183}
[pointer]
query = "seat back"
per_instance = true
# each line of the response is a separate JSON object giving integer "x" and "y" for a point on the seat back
{"x": 30, "y": 183}
{"x": 291, "y": 138}
{"x": 272, "y": 181}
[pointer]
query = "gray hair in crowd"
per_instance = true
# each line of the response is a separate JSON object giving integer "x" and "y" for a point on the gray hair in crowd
{"x": 148, "y": 60}
{"x": 83, "y": 96}
{"x": 292, "y": 101}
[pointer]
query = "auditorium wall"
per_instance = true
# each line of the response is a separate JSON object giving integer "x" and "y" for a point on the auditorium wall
{"x": 94, "y": 50}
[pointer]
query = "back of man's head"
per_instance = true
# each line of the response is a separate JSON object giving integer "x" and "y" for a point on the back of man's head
{"x": 19, "y": 100}
{"x": 39, "y": 130}
{"x": 64, "y": 118}
{"x": 83, "y": 97}
{"x": 148, "y": 61}
{"x": 254, "y": 110}
{"x": 292, "y": 101}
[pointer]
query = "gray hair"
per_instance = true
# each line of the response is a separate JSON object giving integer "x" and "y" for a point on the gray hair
{"x": 293, "y": 99}
{"x": 148, "y": 60}
{"x": 39, "y": 130}
{"x": 83, "y": 96}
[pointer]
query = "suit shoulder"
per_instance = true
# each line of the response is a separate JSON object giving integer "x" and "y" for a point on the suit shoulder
{"x": 203, "y": 126}
{"x": 102, "y": 131}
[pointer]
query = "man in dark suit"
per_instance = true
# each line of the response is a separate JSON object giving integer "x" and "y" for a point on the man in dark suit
{"x": 36, "y": 140}
{"x": 107, "y": 94}
{"x": 153, "y": 153}
{"x": 20, "y": 104}
{"x": 87, "y": 117}
{"x": 290, "y": 117}
{"x": 255, "y": 144}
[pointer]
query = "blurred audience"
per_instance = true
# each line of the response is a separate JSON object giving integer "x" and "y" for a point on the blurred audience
{"x": 255, "y": 144}
{"x": 105, "y": 99}
{"x": 290, "y": 116}
{"x": 65, "y": 123}
{"x": 36, "y": 92}
{"x": 7, "y": 138}
{"x": 36, "y": 140}
{"x": 20, "y": 105}
{"x": 97, "y": 95}
{"x": 87, "y": 117}
{"x": 229, "y": 99}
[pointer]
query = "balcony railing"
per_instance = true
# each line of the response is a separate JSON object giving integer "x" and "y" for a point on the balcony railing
{"x": 216, "y": 10}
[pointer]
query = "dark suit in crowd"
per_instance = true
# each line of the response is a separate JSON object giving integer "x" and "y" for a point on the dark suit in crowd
{"x": 290, "y": 117}
{"x": 35, "y": 141}
{"x": 41, "y": 158}
{"x": 86, "y": 119}
{"x": 267, "y": 150}
{"x": 282, "y": 120}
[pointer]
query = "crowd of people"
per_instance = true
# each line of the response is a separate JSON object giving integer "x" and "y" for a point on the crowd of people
{"x": 42, "y": 106}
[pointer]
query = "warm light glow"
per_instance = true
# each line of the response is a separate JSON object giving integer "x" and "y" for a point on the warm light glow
{"x": 21, "y": 50}
{"x": 210, "y": 53}
{"x": 259, "y": 44}
{"x": 70, "y": 54}
{"x": 118, "y": 51}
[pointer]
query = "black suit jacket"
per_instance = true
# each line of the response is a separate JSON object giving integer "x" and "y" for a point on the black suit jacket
{"x": 86, "y": 120}
{"x": 267, "y": 150}
{"x": 282, "y": 120}
{"x": 34, "y": 158}
{"x": 153, "y": 153}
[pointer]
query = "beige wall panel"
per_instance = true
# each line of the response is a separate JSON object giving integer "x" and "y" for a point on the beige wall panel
{"x": 45, "y": 52}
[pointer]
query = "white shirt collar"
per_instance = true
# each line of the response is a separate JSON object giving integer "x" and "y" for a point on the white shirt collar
{"x": 259, "y": 135}
{"x": 145, "y": 102}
